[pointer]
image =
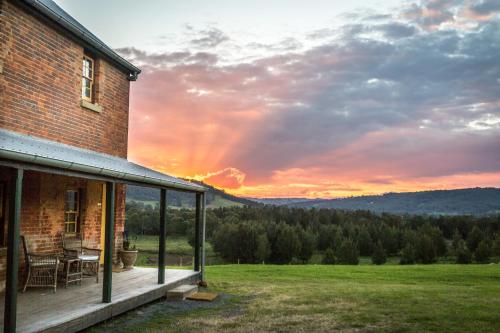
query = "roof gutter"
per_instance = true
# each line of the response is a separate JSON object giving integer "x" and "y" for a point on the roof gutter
{"x": 87, "y": 37}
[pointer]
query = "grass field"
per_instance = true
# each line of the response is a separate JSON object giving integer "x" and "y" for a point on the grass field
{"x": 176, "y": 247}
{"x": 219, "y": 202}
{"x": 316, "y": 298}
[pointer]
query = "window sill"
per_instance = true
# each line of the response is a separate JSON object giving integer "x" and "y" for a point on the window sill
{"x": 91, "y": 106}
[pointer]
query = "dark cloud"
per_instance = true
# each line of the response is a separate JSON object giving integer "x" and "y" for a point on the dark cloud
{"x": 398, "y": 30}
{"x": 167, "y": 58}
{"x": 378, "y": 17}
{"x": 486, "y": 7}
{"x": 210, "y": 38}
{"x": 287, "y": 44}
{"x": 288, "y": 110}
{"x": 431, "y": 14}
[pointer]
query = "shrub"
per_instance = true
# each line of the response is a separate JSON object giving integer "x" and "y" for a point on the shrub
{"x": 307, "y": 244}
{"x": 407, "y": 255}
{"x": 237, "y": 242}
{"x": 379, "y": 256}
{"x": 348, "y": 253}
{"x": 365, "y": 242}
{"x": 496, "y": 246}
{"x": 425, "y": 251}
{"x": 482, "y": 253}
{"x": 457, "y": 239}
{"x": 263, "y": 248}
{"x": 324, "y": 236}
{"x": 464, "y": 256}
{"x": 328, "y": 257}
{"x": 474, "y": 238}
{"x": 287, "y": 244}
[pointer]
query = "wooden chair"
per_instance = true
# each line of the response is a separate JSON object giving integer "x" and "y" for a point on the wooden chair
{"x": 73, "y": 248}
{"x": 41, "y": 268}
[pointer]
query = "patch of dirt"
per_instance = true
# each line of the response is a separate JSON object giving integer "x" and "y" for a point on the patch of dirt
{"x": 141, "y": 317}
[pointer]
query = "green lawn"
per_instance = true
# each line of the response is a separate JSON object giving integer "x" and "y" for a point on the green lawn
{"x": 316, "y": 298}
{"x": 176, "y": 247}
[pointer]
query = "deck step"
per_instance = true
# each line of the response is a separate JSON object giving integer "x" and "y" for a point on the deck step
{"x": 181, "y": 292}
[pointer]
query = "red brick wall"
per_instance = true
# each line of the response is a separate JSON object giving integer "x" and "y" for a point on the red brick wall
{"x": 40, "y": 87}
{"x": 42, "y": 213}
{"x": 119, "y": 218}
{"x": 40, "y": 95}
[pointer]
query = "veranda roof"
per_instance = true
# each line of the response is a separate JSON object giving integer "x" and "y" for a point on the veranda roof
{"x": 34, "y": 151}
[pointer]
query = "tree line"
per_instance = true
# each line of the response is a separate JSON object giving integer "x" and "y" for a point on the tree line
{"x": 283, "y": 235}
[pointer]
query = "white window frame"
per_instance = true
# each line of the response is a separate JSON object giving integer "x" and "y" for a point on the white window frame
{"x": 90, "y": 78}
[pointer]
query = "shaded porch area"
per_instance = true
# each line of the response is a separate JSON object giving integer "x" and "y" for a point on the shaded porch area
{"x": 78, "y": 307}
{"x": 51, "y": 189}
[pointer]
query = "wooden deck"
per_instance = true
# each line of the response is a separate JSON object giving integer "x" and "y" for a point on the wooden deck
{"x": 78, "y": 307}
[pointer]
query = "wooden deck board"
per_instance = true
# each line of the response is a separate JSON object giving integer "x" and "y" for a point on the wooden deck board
{"x": 78, "y": 307}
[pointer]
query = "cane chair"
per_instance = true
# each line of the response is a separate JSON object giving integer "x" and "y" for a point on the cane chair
{"x": 73, "y": 248}
{"x": 41, "y": 269}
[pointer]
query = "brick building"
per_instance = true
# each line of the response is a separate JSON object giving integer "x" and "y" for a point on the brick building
{"x": 64, "y": 102}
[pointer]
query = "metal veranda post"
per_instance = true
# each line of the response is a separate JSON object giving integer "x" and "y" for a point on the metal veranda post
{"x": 197, "y": 240}
{"x": 203, "y": 232}
{"x": 10, "y": 310}
{"x": 163, "y": 230}
{"x": 108, "y": 242}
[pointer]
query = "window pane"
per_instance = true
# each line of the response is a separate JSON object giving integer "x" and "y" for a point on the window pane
{"x": 71, "y": 201}
{"x": 71, "y": 206}
{"x": 83, "y": 86}
{"x": 86, "y": 88}
{"x": 71, "y": 211}
{"x": 87, "y": 68}
{"x": 70, "y": 227}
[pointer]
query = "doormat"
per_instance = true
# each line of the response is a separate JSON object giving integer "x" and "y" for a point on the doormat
{"x": 202, "y": 296}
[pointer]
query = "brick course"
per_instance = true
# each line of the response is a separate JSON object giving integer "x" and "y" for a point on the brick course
{"x": 40, "y": 87}
{"x": 40, "y": 95}
{"x": 42, "y": 213}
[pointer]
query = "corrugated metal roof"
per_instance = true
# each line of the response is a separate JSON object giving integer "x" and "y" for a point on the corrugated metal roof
{"x": 51, "y": 10}
{"x": 29, "y": 149}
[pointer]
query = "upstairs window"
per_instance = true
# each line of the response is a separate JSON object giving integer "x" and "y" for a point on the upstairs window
{"x": 72, "y": 211}
{"x": 88, "y": 79}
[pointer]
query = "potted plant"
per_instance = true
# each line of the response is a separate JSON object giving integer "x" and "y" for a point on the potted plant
{"x": 128, "y": 254}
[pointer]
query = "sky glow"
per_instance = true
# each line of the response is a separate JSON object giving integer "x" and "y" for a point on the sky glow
{"x": 311, "y": 98}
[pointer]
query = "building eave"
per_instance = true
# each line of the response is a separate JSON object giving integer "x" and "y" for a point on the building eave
{"x": 53, "y": 12}
{"x": 34, "y": 151}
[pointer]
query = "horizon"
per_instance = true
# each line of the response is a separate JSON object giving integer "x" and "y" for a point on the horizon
{"x": 321, "y": 99}
{"x": 350, "y": 196}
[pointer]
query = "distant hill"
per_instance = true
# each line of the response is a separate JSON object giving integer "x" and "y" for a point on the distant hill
{"x": 215, "y": 197}
{"x": 475, "y": 201}
{"x": 281, "y": 201}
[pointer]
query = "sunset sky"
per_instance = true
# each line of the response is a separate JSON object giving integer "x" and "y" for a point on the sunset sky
{"x": 311, "y": 98}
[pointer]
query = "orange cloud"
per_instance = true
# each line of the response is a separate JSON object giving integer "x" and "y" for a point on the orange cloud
{"x": 350, "y": 117}
{"x": 228, "y": 178}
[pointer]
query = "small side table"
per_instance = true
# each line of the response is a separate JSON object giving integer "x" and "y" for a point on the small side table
{"x": 72, "y": 270}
